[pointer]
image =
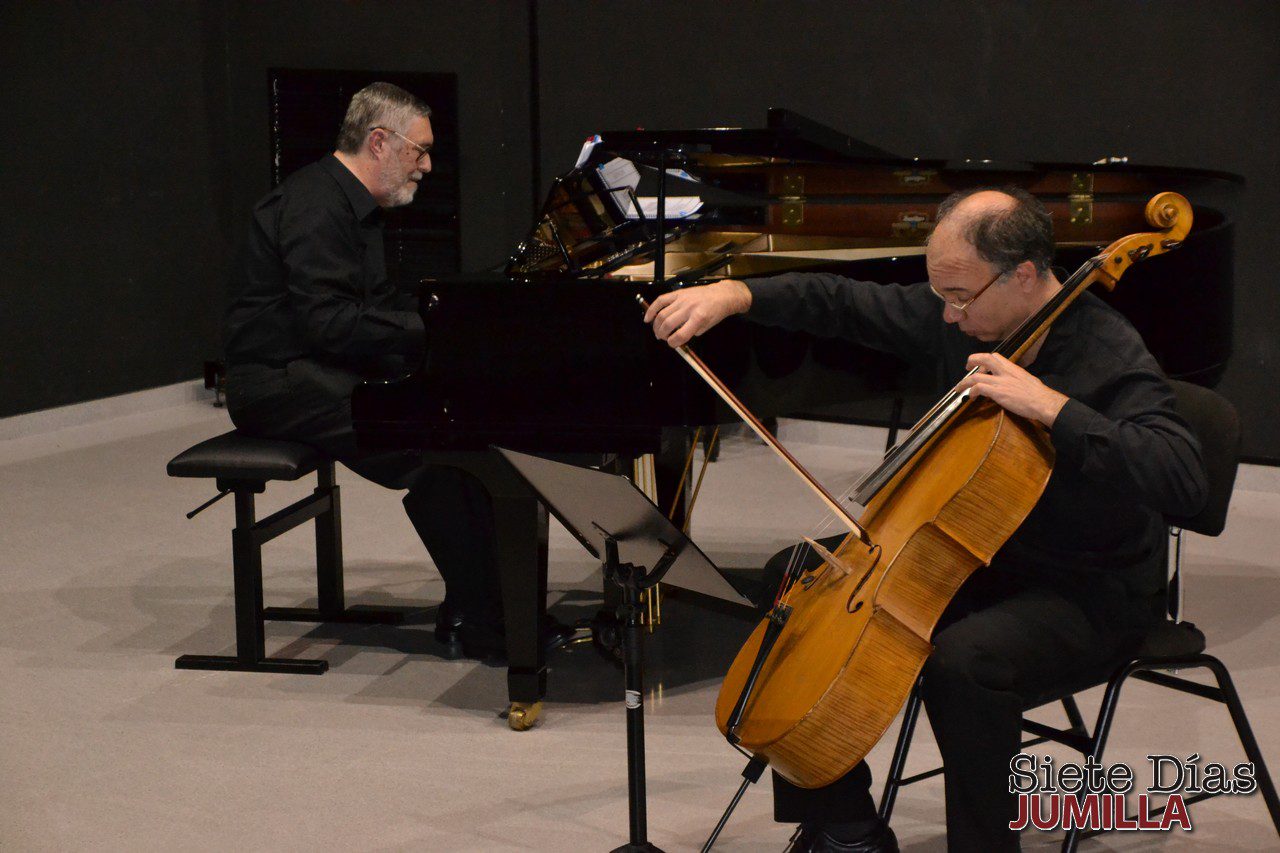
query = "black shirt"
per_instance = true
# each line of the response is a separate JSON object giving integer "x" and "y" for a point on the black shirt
{"x": 312, "y": 280}
{"x": 1124, "y": 456}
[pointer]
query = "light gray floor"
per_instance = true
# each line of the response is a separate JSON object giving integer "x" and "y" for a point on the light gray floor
{"x": 104, "y": 746}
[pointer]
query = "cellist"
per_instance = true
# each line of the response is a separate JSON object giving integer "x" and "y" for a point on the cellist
{"x": 1074, "y": 590}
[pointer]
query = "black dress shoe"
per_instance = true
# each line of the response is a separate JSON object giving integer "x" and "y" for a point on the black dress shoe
{"x": 880, "y": 839}
{"x": 487, "y": 642}
{"x": 448, "y": 630}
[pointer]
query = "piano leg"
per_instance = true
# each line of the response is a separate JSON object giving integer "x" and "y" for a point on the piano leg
{"x": 669, "y": 464}
{"x": 520, "y": 534}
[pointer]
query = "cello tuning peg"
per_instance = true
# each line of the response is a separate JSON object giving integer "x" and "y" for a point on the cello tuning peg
{"x": 1139, "y": 253}
{"x": 1170, "y": 245}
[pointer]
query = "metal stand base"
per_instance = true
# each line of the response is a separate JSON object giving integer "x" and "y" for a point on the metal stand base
{"x": 357, "y": 615}
{"x": 637, "y": 848}
{"x": 632, "y": 579}
{"x": 597, "y": 501}
{"x": 231, "y": 663}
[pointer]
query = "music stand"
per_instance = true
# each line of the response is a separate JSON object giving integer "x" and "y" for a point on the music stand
{"x": 637, "y": 546}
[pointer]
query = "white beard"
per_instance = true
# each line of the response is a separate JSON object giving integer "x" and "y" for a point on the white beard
{"x": 397, "y": 186}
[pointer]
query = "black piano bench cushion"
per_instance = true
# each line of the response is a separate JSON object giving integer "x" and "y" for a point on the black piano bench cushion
{"x": 235, "y": 456}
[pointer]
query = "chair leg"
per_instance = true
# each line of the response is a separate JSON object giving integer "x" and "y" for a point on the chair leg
{"x": 910, "y": 716}
{"x": 1076, "y": 719}
{"x": 246, "y": 560}
{"x": 1245, "y": 732}
{"x": 1101, "y": 730}
{"x": 1074, "y": 716}
{"x": 251, "y": 652}
{"x": 1173, "y": 598}
{"x": 330, "y": 589}
{"x": 329, "y": 586}
{"x": 911, "y": 713}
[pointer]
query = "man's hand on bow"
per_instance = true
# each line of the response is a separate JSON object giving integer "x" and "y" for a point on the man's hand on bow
{"x": 1013, "y": 388}
{"x": 681, "y": 315}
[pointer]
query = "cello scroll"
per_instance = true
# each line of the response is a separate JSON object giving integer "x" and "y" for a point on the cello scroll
{"x": 1168, "y": 211}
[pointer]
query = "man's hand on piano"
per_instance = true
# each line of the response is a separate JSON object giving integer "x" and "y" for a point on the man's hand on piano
{"x": 681, "y": 315}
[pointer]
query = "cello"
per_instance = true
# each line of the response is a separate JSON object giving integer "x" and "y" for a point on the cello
{"x": 825, "y": 672}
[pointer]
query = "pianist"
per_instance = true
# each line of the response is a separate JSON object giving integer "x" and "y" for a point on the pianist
{"x": 312, "y": 315}
{"x": 1077, "y": 585}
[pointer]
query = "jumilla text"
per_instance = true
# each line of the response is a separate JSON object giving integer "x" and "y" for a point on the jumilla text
{"x": 1094, "y": 796}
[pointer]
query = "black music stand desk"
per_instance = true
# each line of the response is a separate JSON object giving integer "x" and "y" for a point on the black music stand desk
{"x": 638, "y": 547}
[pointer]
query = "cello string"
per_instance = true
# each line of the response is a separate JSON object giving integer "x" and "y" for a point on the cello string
{"x": 734, "y": 403}
{"x": 802, "y": 551}
{"x": 930, "y": 419}
{"x": 893, "y": 460}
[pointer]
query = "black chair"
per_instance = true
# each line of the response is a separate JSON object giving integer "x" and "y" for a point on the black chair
{"x": 1174, "y": 645}
{"x": 242, "y": 466}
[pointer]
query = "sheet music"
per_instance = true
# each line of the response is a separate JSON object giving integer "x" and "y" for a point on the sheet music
{"x": 677, "y": 207}
{"x": 621, "y": 175}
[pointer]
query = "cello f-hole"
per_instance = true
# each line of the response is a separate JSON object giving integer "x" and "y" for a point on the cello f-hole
{"x": 851, "y": 606}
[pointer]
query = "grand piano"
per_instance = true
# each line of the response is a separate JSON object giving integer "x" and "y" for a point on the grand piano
{"x": 550, "y": 355}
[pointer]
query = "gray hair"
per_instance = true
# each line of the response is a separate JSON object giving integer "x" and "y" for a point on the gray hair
{"x": 378, "y": 105}
{"x": 1005, "y": 237}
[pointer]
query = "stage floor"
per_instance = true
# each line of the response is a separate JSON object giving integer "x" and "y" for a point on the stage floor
{"x": 105, "y": 746}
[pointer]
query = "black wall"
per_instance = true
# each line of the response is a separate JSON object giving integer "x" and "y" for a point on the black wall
{"x": 1172, "y": 83}
{"x": 138, "y": 137}
{"x": 112, "y": 248}
{"x": 138, "y": 141}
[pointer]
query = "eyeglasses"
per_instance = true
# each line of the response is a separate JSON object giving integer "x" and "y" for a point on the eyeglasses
{"x": 964, "y": 306}
{"x": 422, "y": 152}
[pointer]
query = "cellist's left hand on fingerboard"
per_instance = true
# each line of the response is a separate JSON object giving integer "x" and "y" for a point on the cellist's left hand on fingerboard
{"x": 1012, "y": 388}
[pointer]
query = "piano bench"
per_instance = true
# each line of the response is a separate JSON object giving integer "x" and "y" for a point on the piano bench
{"x": 242, "y": 466}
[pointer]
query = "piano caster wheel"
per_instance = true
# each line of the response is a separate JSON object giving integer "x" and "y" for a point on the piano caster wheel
{"x": 522, "y": 716}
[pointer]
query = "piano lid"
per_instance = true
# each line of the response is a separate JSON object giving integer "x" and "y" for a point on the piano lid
{"x": 799, "y": 186}
{"x": 757, "y": 161}
{"x": 787, "y": 136}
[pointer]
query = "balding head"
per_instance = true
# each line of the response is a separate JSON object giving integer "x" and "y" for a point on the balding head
{"x": 988, "y": 259}
{"x": 1005, "y": 226}
{"x": 965, "y": 208}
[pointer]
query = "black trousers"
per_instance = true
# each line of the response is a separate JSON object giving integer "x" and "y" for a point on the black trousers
{"x": 449, "y": 508}
{"x": 1008, "y": 642}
